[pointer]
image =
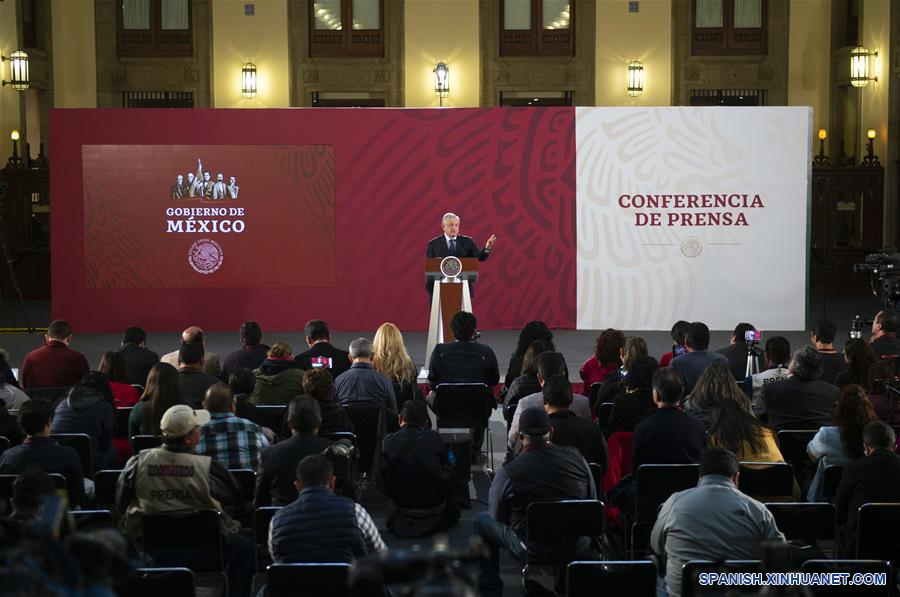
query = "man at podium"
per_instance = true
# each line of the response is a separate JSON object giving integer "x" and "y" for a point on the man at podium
{"x": 452, "y": 243}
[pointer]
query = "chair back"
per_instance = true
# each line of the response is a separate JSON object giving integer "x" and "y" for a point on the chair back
{"x": 284, "y": 580}
{"x": 792, "y": 444}
{"x": 462, "y": 364}
{"x": 105, "y": 482}
{"x": 340, "y": 435}
{"x": 654, "y": 483}
{"x": 91, "y": 519}
{"x": 368, "y": 425}
{"x": 597, "y": 474}
{"x": 462, "y": 405}
{"x": 81, "y": 443}
{"x": 271, "y": 416}
{"x": 588, "y": 579}
{"x": 877, "y": 537}
{"x": 145, "y": 442}
{"x": 594, "y": 394}
{"x": 804, "y": 521}
{"x": 120, "y": 423}
{"x": 193, "y": 541}
{"x": 603, "y": 413}
{"x": 557, "y": 522}
{"x": 760, "y": 479}
{"x": 690, "y": 577}
{"x": 831, "y": 480}
{"x": 246, "y": 480}
{"x": 153, "y": 582}
{"x": 878, "y": 568}
{"x": 262, "y": 519}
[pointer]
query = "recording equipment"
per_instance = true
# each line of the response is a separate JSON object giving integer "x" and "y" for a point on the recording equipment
{"x": 857, "y": 325}
{"x": 884, "y": 269}
{"x": 752, "y": 336}
{"x": 678, "y": 350}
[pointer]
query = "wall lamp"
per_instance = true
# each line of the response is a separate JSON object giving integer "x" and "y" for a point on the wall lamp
{"x": 441, "y": 81}
{"x": 635, "y": 78}
{"x": 859, "y": 66}
{"x": 15, "y": 161}
{"x": 821, "y": 160}
{"x": 248, "y": 80}
{"x": 19, "y": 74}
{"x": 871, "y": 160}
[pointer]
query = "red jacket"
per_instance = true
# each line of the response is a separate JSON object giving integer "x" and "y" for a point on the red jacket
{"x": 593, "y": 372}
{"x": 53, "y": 365}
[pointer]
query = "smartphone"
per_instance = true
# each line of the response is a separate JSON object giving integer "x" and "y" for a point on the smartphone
{"x": 317, "y": 362}
{"x": 678, "y": 350}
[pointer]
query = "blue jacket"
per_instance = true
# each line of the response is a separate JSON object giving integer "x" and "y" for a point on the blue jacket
{"x": 87, "y": 411}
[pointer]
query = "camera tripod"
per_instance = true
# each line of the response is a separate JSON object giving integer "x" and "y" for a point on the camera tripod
{"x": 753, "y": 355}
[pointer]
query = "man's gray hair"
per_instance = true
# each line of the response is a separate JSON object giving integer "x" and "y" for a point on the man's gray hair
{"x": 449, "y": 216}
{"x": 807, "y": 364}
{"x": 361, "y": 348}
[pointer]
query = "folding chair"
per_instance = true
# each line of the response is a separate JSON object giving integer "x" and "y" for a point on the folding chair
{"x": 876, "y": 532}
{"x": 831, "y": 480}
{"x": 588, "y": 579}
{"x": 105, "y": 482}
{"x": 466, "y": 406}
{"x": 262, "y": 518}
{"x": 81, "y": 443}
{"x": 145, "y": 442}
{"x": 271, "y": 416}
{"x": 554, "y": 528}
{"x": 764, "y": 479}
{"x": 91, "y": 519}
{"x": 792, "y": 444}
{"x": 368, "y": 424}
{"x": 340, "y": 435}
{"x": 597, "y": 473}
{"x": 120, "y": 428}
{"x": 851, "y": 567}
{"x": 246, "y": 480}
{"x": 654, "y": 483}
{"x": 285, "y": 580}
{"x": 193, "y": 541}
{"x": 809, "y": 522}
{"x": 153, "y": 582}
{"x": 604, "y": 411}
{"x": 690, "y": 584}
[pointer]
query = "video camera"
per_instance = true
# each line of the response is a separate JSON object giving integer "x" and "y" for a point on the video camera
{"x": 857, "y": 325}
{"x": 884, "y": 268}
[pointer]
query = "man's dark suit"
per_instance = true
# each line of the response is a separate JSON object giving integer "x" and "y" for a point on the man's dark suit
{"x": 340, "y": 359}
{"x": 465, "y": 247}
{"x": 278, "y": 468}
{"x": 138, "y": 362}
{"x": 872, "y": 478}
{"x": 795, "y": 404}
{"x": 194, "y": 384}
{"x": 668, "y": 436}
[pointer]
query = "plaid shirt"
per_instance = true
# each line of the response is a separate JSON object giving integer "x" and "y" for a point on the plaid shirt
{"x": 234, "y": 442}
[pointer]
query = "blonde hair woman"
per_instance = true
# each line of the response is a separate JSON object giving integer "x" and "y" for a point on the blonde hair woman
{"x": 391, "y": 359}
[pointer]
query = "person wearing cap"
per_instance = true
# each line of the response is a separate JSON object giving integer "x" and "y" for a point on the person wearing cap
{"x": 542, "y": 472}
{"x": 174, "y": 480}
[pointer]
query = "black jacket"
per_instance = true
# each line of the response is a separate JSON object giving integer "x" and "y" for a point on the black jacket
{"x": 568, "y": 429}
{"x": 873, "y": 478}
{"x": 630, "y": 409}
{"x": 795, "y": 404}
{"x": 87, "y": 411}
{"x": 248, "y": 357}
{"x": 465, "y": 247}
{"x": 668, "y": 436}
{"x": 340, "y": 359}
{"x": 887, "y": 345}
{"x": 415, "y": 467}
{"x": 737, "y": 359}
{"x": 46, "y": 455}
{"x": 832, "y": 364}
{"x": 460, "y": 362}
{"x": 278, "y": 468}
{"x": 194, "y": 384}
{"x": 138, "y": 362}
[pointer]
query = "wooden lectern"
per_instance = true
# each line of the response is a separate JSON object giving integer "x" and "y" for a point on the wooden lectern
{"x": 451, "y": 294}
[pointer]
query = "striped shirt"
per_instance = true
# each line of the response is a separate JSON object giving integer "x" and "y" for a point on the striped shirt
{"x": 234, "y": 442}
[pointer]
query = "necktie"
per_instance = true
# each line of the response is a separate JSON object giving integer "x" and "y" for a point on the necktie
{"x": 453, "y": 247}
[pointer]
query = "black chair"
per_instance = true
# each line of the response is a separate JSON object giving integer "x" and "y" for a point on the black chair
{"x": 145, "y": 442}
{"x": 6, "y": 487}
{"x": 466, "y": 406}
{"x": 604, "y": 411}
{"x": 246, "y": 480}
{"x": 792, "y": 444}
{"x": 81, "y": 443}
{"x": 879, "y": 571}
{"x": 597, "y": 473}
{"x": 594, "y": 394}
{"x": 369, "y": 424}
{"x": 52, "y": 394}
{"x": 91, "y": 519}
{"x": 285, "y": 580}
{"x": 105, "y": 488}
{"x": 654, "y": 483}
{"x": 262, "y": 518}
{"x": 340, "y": 435}
{"x": 690, "y": 574}
{"x": 193, "y": 541}
{"x": 831, "y": 480}
{"x": 804, "y": 521}
{"x": 635, "y": 578}
{"x": 153, "y": 582}
{"x": 764, "y": 479}
{"x": 120, "y": 428}
{"x": 876, "y": 533}
{"x": 271, "y": 416}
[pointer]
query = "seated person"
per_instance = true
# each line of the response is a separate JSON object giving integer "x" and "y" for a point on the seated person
{"x": 278, "y": 379}
{"x": 278, "y": 463}
{"x": 319, "y": 526}
{"x": 192, "y": 379}
{"x": 89, "y": 408}
{"x": 568, "y": 429}
{"x": 417, "y": 476}
{"x": 884, "y": 334}
{"x": 822, "y": 335}
{"x": 53, "y": 365}
{"x": 318, "y": 384}
{"x": 235, "y": 442}
{"x": 527, "y": 383}
{"x": 635, "y": 403}
{"x": 733, "y": 426}
{"x": 322, "y": 353}
{"x": 29, "y": 490}
{"x": 138, "y": 358}
{"x": 251, "y": 354}
{"x": 803, "y": 401}
{"x": 777, "y": 356}
{"x": 694, "y": 362}
{"x": 209, "y": 360}
{"x": 40, "y": 452}
{"x": 679, "y": 331}
{"x": 737, "y": 350}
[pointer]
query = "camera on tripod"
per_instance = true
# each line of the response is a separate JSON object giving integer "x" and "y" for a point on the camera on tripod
{"x": 857, "y": 325}
{"x": 884, "y": 268}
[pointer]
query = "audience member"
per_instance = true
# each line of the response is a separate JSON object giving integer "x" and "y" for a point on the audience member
{"x": 321, "y": 353}
{"x": 533, "y": 331}
{"x": 40, "y": 452}
{"x": 733, "y": 426}
{"x": 568, "y": 429}
{"x": 138, "y": 358}
{"x": 679, "y": 331}
{"x": 606, "y": 360}
{"x": 236, "y": 443}
{"x": 278, "y": 379}
{"x": 162, "y": 392}
{"x": 872, "y": 478}
{"x": 242, "y": 382}
{"x": 417, "y": 476}
{"x": 823, "y": 334}
{"x": 319, "y": 526}
{"x": 549, "y": 364}
{"x": 635, "y": 347}
{"x": 842, "y": 441}
{"x": 192, "y": 378}
{"x": 693, "y": 363}
{"x": 194, "y": 335}
{"x": 89, "y": 409}
{"x": 464, "y": 359}
{"x": 802, "y": 401}
{"x": 635, "y": 402}
{"x": 884, "y": 334}
{"x": 10, "y": 394}
{"x": 278, "y": 462}
{"x": 6, "y": 372}
{"x": 362, "y": 383}
{"x": 318, "y": 384}
{"x": 252, "y": 353}
{"x": 54, "y": 365}
{"x": 738, "y": 350}
{"x": 113, "y": 365}
{"x": 9, "y": 427}
{"x": 527, "y": 383}
{"x": 174, "y": 480}
{"x": 390, "y": 358}
{"x": 29, "y": 490}
{"x": 715, "y": 385}
{"x": 862, "y": 365}
{"x": 669, "y": 435}
{"x": 713, "y": 521}
{"x": 777, "y": 355}
{"x": 543, "y": 472}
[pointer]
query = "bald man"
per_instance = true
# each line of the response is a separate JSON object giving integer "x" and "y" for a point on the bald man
{"x": 210, "y": 359}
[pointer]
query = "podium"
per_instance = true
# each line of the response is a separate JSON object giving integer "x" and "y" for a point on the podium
{"x": 451, "y": 277}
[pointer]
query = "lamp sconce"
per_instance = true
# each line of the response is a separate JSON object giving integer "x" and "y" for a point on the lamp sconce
{"x": 871, "y": 160}
{"x": 441, "y": 81}
{"x": 19, "y": 73}
{"x": 15, "y": 161}
{"x": 860, "y": 66}
{"x": 821, "y": 161}
{"x": 248, "y": 80}
{"x": 635, "y": 78}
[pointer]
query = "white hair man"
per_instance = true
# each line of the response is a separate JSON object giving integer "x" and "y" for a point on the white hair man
{"x": 452, "y": 243}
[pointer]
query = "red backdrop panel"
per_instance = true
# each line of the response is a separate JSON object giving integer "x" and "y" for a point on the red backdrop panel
{"x": 507, "y": 171}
